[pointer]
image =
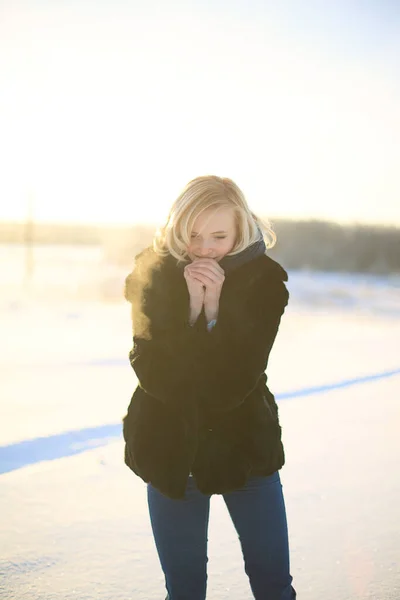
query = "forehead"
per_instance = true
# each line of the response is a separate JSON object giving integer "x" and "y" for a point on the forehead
{"x": 215, "y": 219}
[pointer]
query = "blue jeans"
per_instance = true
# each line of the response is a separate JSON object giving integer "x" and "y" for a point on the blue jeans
{"x": 259, "y": 516}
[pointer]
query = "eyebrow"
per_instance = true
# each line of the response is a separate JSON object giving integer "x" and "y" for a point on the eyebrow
{"x": 221, "y": 231}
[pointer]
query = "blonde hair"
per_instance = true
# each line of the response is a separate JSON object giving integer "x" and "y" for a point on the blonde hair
{"x": 199, "y": 195}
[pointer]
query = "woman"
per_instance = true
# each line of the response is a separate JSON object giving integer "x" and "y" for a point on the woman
{"x": 206, "y": 307}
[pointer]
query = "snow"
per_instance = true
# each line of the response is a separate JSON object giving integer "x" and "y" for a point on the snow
{"x": 74, "y": 518}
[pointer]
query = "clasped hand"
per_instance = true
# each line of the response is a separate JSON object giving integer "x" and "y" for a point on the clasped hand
{"x": 204, "y": 278}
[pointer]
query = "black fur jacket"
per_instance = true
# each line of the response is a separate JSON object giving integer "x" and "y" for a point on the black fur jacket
{"x": 202, "y": 404}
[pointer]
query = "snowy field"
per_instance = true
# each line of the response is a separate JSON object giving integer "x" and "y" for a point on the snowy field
{"x": 74, "y": 518}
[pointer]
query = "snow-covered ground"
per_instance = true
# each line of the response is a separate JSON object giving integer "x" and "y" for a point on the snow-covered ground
{"x": 74, "y": 518}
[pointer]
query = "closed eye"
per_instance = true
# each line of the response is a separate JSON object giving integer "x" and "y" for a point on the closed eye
{"x": 216, "y": 237}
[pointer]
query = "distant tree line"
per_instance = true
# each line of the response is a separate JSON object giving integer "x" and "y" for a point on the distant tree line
{"x": 321, "y": 245}
{"x": 317, "y": 245}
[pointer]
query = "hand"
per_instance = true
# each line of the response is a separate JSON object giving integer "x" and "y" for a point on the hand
{"x": 196, "y": 292}
{"x": 210, "y": 273}
{"x": 195, "y": 286}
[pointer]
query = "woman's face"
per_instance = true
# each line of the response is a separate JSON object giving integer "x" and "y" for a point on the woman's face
{"x": 213, "y": 234}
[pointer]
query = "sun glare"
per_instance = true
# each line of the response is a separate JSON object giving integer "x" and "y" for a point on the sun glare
{"x": 103, "y": 123}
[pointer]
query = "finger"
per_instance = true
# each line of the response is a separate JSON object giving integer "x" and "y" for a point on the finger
{"x": 210, "y": 285}
{"x": 210, "y": 262}
{"x": 209, "y": 277}
{"x": 207, "y": 270}
{"x": 194, "y": 277}
{"x": 205, "y": 263}
{"x": 205, "y": 280}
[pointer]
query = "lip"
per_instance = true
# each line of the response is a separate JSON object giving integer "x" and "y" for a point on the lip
{"x": 214, "y": 257}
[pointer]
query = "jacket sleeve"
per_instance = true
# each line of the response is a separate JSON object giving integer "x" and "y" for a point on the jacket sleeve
{"x": 165, "y": 365}
{"x": 237, "y": 349}
{"x": 164, "y": 353}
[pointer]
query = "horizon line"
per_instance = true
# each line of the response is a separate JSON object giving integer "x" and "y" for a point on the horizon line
{"x": 128, "y": 224}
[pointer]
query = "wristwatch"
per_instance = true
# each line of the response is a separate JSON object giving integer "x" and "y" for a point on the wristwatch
{"x": 211, "y": 324}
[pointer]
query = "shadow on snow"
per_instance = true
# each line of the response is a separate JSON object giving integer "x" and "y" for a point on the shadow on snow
{"x": 52, "y": 447}
{"x": 69, "y": 443}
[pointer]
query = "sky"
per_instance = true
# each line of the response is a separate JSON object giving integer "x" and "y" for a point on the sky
{"x": 107, "y": 109}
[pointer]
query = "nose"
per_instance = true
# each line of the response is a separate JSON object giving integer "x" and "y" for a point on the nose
{"x": 204, "y": 250}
